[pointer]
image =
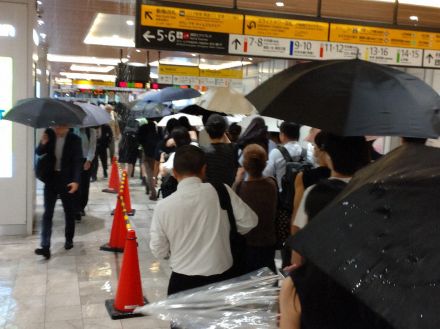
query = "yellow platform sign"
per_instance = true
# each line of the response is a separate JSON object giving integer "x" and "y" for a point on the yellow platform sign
{"x": 285, "y": 28}
{"x": 189, "y": 71}
{"x": 226, "y": 74}
{"x": 380, "y": 36}
{"x": 190, "y": 19}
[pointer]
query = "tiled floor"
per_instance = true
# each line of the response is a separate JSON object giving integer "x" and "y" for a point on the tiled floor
{"x": 69, "y": 290}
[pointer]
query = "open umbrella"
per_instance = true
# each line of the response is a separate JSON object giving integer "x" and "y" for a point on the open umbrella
{"x": 351, "y": 98}
{"x": 197, "y": 110}
{"x": 145, "y": 109}
{"x": 45, "y": 112}
{"x": 226, "y": 100}
{"x": 273, "y": 125}
{"x": 194, "y": 121}
{"x": 170, "y": 94}
{"x": 380, "y": 237}
{"x": 95, "y": 115}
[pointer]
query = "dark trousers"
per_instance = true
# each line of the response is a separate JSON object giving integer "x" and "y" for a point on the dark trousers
{"x": 84, "y": 187}
{"x": 51, "y": 191}
{"x": 101, "y": 154}
{"x": 180, "y": 282}
{"x": 258, "y": 257}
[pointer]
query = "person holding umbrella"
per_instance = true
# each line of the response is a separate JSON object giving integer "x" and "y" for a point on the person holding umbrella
{"x": 65, "y": 147}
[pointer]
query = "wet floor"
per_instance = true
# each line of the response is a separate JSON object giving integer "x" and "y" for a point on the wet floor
{"x": 69, "y": 290}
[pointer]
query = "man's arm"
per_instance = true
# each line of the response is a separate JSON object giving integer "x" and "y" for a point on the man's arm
{"x": 270, "y": 169}
{"x": 159, "y": 244}
{"x": 92, "y": 145}
{"x": 245, "y": 217}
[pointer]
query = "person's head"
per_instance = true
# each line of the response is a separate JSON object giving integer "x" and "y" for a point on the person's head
{"x": 184, "y": 122}
{"x": 189, "y": 161}
{"x": 216, "y": 126}
{"x": 254, "y": 160}
{"x": 345, "y": 155}
{"x": 289, "y": 131}
{"x": 109, "y": 108}
{"x": 321, "y": 195}
{"x": 256, "y": 132}
{"x": 171, "y": 124}
{"x": 234, "y": 132}
{"x": 61, "y": 130}
{"x": 181, "y": 136}
{"x": 318, "y": 154}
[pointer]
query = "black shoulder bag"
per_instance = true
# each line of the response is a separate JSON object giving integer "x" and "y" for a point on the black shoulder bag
{"x": 238, "y": 242}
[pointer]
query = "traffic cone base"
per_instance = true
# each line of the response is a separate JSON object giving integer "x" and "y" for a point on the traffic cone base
{"x": 116, "y": 315}
{"x": 107, "y": 247}
{"x": 109, "y": 190}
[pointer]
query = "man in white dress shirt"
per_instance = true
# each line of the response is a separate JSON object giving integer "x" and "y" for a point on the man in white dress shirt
{"x": 192, "y": 229}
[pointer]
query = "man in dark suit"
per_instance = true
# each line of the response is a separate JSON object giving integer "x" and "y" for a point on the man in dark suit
{"x": 66, "y": 149}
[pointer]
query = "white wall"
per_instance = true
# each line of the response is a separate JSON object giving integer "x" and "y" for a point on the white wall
{"x": 17, "y": 192}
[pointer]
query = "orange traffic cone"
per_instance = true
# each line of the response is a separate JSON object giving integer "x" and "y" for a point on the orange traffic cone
{"x": 119, "y": 228}
{"x": 113, "y": 182}
{"x": 129, "y": 293}
{"x": 126, "y": 195}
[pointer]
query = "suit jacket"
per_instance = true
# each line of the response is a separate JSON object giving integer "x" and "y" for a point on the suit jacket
{"x": 71, "y": 159}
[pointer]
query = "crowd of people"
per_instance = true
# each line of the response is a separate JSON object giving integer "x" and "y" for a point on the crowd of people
{"x": 269, "y": 184}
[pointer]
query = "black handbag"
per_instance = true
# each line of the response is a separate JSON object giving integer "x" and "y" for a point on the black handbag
{"x": 45, "y": 167}
{"x": 237, "y": 241}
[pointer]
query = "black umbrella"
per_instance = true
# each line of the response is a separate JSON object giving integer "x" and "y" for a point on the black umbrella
{"x": 380, "y": 237}
{"x": 170, "y": 94}
{"x": 145, "y": 109}
{"x": 198, "y": 110}
{"x": 45, "y": 112}
{"x": 351, "y": 98}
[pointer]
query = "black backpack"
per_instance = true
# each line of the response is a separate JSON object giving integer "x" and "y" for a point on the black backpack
{"x": 287, "y": 193}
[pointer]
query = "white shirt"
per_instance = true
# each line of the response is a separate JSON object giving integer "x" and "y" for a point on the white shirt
{"x": 276, "y": 165}
{"x": 88, "y": 144}
{"x": 193, "y": 229}
{"x": 59, "y": 147}
{"x": 301, "y": 219}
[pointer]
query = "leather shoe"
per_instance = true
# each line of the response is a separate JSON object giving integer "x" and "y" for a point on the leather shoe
{"x": 43, "y": 252}
{"x": 68, "y": 245}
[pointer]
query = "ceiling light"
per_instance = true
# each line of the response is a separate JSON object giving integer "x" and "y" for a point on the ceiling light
{"x": 414, "y": 18}
{"x": 40, "y": 21}
{"x": 38, "y": 71}
{"x": 114, "y": 40}
{"x": 250, "y": 58}
{"x": 183, "y": 61}
{"x": 136, "y": 64}
{"x": 86, "y": 76}
{"x": 84, "y": 59}
{"x": 43, "y": 35}
{"x": 279, "y": 4}
{"x": 128, "y": 56}
{"x": 129, "y": 22}
{"x": 138, "y": 50}
{"x": 35, "y": 57}
{"x": 97, "y": 69}
{"x": 223, "y": 66}
{"x": 7, "y": 30}
{"x": 193, "y": 55}
{"x": 203, "y": 60}
{"x": 39, "y": 2}
{"x": 111, "y": 30}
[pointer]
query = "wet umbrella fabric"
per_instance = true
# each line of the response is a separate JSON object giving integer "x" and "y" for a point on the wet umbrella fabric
{"x": 194, "y": 121}
{"x": 199, "y": 111}
{"x": 351, "y": 98}
{"x": 273, "y": 125}
{"x": 380, "y": 238}
{"x": 95, "y": 115}
{"x": 225, "y": 100}
{"x": 170, "y": 94}
{"x": 45, "y": 112}
{"x": 144, "y": 109}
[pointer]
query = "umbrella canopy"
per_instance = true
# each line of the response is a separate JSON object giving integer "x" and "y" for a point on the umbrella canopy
{"x": 95, "y": 115}
{"x": 170, "y": 94}
{"x": 194, "y": 121}
{"x": 45, "y": 112}
{"x": 351, "y": 98}
{"x": 144, "y": 109}
{"x": 380, "y": 237}
{"x": 197, "y": 110}
{"x": 273, "y": 125}
{"x": 225, "y": 100}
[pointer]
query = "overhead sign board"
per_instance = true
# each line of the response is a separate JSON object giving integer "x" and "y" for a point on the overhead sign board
{"x": 431, "y": 58}
{"x": 285, "y": 28}
{"x": 178, "y": 70}
{"x": 190, "y": 19}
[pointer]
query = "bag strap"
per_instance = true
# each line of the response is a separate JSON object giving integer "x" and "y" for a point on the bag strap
{"x": 285, "y": 153}
{"x": 225, "y": 203}
{"x": 303, "y": 156}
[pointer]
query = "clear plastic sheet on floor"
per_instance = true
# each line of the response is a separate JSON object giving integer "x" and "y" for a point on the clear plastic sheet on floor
{"x": 249, "y": 301}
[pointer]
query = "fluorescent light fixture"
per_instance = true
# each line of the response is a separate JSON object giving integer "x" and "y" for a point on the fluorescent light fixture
{"x": 250, "y": 58}
{"x": 38, "y": 72}
{"x": 35, "y": 57}
{"x": 63, "y": 81}
{"x": 136, "y": 64}
{"x": 183, "y": 61}
{"x": 193, "y": 55}
{"x": 279, "y": 4}
{"x": 43, "y": 35}
{"x": 40, "y": 21}
{"x": 84, "y": 59}
{"x": 129, "y": 22}
{"x": 111, "y": 30}
{"x": 35, "y": 37}
{"x": 86, "y": 76}
{"x": 7, "y": 30}
{"x": 414, "y": 18}
{"x": 138, "y": 50}
{"x": 39, "y": 2}
{"x": 223, "y": 66}
{"x": 96, "y": 69}
{"x": 203, "y": 60}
